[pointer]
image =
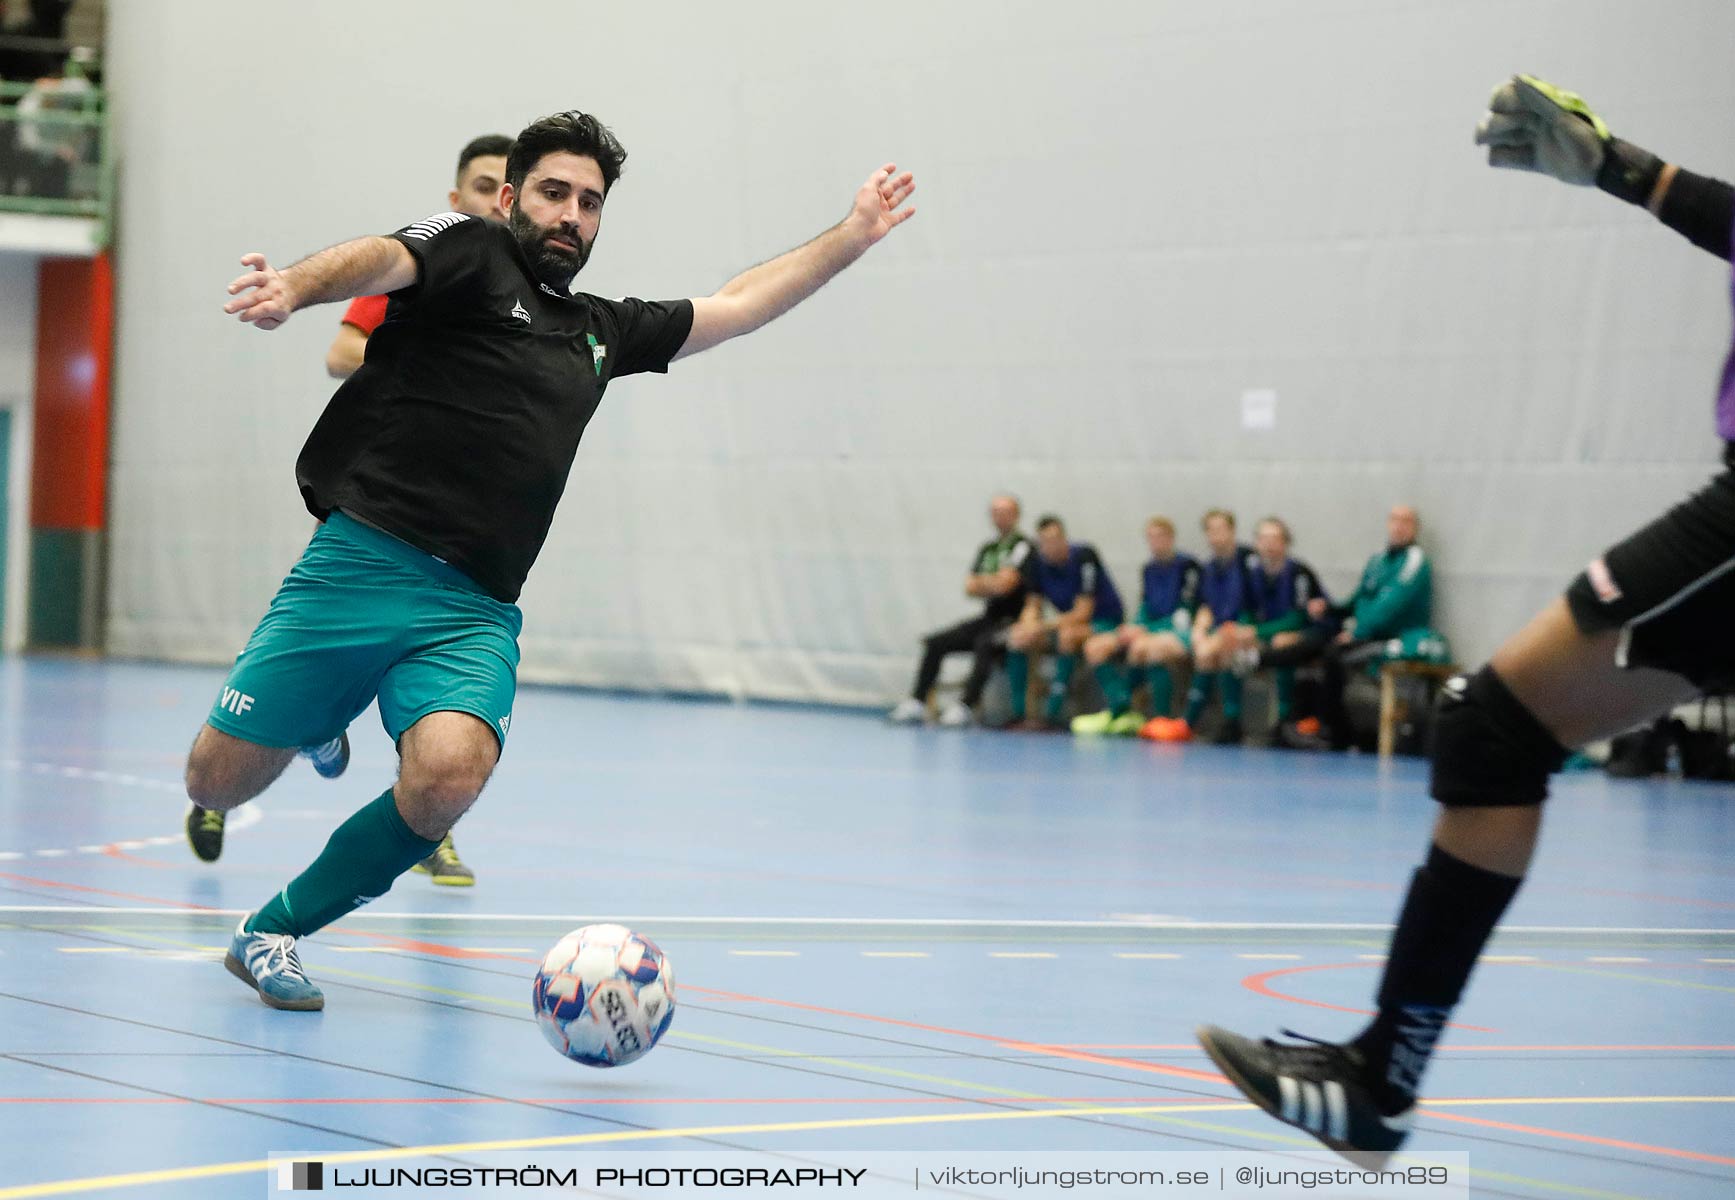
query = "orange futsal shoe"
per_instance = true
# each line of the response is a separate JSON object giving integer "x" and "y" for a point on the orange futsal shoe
{"x": 1166, "y": 729}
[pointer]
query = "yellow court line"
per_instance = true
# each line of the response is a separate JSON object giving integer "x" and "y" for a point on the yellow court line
{"x": 1483, "y": 1101}
{"x": 67, "y": 1187}
{"x": 1678, "y": 983}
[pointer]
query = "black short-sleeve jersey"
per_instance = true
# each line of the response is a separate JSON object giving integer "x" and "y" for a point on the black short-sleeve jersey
{"x": 1009, "y": 551}
{"x": 458, "y": 431}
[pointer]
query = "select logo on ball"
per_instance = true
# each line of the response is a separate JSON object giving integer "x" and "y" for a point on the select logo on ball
{"x": 604, "y": 995}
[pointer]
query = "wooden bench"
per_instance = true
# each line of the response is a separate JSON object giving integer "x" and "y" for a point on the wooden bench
{"x": 1393, "y": 710}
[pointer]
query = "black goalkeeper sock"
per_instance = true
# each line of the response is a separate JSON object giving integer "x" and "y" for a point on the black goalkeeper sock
{"x": 1451, "y": 910}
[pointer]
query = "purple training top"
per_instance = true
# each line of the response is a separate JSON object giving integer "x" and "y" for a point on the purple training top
{"x": 1726, "y": 395}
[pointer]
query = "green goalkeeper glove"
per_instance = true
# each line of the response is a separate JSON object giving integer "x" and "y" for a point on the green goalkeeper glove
{"x": 1531, "y": 125}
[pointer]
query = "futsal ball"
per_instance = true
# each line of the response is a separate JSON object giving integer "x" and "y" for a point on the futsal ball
{"x": 604, "y": 995}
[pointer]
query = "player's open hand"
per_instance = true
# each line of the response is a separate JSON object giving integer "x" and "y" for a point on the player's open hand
{"x": 261, "y": 296}
{"x": 879, "y": 204}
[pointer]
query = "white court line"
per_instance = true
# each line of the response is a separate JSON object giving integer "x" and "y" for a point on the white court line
{"x": 95, "y": 776}
{"x": 401, "y": 950}
{"x": 243, "y": 818}
{"x": 1718, "y": 960}
{"x": 889, "y": 922}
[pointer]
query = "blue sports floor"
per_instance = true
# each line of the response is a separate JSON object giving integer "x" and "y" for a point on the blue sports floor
{"x": 884, "y": 939}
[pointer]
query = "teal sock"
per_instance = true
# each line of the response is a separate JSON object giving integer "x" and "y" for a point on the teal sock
{"x": 1285, "y": 692}
{"x": 1199, "y": 695}
{"x": 1063, "y": 664}
{"x": 1117, "y": 689}
{"x": 1162, "y": 690}
{"x": 364, "y": 856}
{"x": 1231, "y": 697}
{"x": 1018, "y": 676}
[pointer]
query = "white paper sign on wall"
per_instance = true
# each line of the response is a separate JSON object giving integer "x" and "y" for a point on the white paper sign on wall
{"x": 1259, "y": 409}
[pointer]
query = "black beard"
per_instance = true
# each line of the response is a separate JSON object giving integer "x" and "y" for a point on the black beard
{"x": 555, "y": 268}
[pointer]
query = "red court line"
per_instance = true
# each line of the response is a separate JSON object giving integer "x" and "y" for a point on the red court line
{"x": 1692, "y": 900}
{"x": 79, "y": 887}
{"x": 433, "y": 949}
{"x": 1005, "y": 1043}
{"x": 113, "y": 850}
{"x": 1438, "y": 1049}
{"x": 1137, "y": 1101}
{"x": 1615, "y": 1143}
{"x": 1260, "y": 984}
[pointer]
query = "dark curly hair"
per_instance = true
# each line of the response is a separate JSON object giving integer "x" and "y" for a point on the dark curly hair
{"x": 575, "y": 132}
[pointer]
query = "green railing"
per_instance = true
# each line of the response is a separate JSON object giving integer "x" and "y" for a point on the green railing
{"x": 55, "y": 151}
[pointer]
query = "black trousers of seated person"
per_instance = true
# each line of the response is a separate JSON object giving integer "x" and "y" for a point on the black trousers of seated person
{"x": 1335, "y": 659}
{"x": 982, "y": 636}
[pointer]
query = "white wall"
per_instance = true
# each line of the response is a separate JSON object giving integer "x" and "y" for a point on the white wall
{"x": 1129, "y": 214}
{"x": 17, "y": 390}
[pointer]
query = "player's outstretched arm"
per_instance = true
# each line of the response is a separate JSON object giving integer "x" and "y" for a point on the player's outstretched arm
{"x": 771, "y": 289}
{"x": 1532, "y": 125}
{"x": 367, "y": 266}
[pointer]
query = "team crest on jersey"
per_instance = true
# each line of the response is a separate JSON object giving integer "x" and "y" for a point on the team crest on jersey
{"x": 519, "y": 311}
{"x": 598, "y": 352}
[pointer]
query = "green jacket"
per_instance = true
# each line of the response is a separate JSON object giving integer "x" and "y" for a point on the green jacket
{"x": 1395, "y": 596}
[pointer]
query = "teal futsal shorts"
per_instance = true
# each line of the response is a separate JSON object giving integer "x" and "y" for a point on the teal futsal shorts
{"x": 1182, "y": 629}
{"x": 361, "y": 615}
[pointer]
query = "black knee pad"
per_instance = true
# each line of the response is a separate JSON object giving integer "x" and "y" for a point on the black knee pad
{"x": 1488, "y": 749}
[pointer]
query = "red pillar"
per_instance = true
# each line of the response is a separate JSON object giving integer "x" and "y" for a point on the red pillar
{"x": 69, "y": 473}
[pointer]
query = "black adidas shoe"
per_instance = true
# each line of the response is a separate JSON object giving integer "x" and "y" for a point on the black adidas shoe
{"x": 1318, "y": 1087}
{"x": 205, "y": 832}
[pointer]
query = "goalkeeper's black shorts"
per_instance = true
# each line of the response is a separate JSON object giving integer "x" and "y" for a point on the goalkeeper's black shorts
{"x": 1670, "y": 588}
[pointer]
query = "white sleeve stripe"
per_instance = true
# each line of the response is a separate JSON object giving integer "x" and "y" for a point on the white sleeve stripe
{"x": 424, "y": 229}
{"x": 1412, "y": 564}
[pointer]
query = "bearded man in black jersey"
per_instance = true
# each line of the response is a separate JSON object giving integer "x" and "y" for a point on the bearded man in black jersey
{"x": 435, "y": 471}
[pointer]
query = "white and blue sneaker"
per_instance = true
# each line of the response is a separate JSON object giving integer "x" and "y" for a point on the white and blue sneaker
{"x": 267, "y": 963}
{"x": 330, "y": 759}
